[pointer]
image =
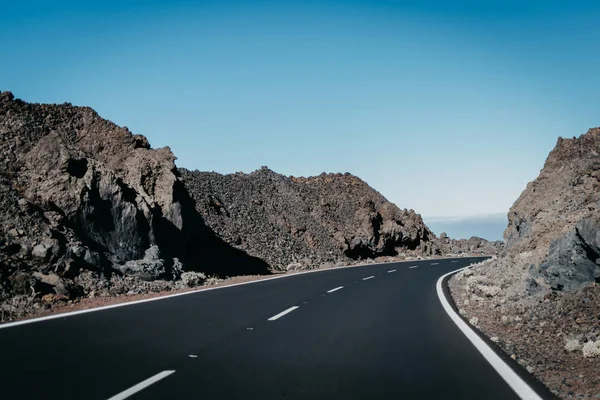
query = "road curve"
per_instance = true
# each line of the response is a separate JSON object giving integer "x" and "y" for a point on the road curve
{"x": 371, "y": 332}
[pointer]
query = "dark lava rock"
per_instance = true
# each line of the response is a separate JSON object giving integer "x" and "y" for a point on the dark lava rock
{"x": 573, "y": 259}
{"x": 303, "y": 222}
{"x": 79, "y": 193}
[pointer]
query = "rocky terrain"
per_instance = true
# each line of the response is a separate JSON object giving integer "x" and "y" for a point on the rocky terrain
{"x": 540, "y": 299}
{"x": 89, "y": 209}
{"x": 298, "y": 223}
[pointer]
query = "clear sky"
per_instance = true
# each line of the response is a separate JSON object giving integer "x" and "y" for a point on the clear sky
{"x": 447, "y": 107}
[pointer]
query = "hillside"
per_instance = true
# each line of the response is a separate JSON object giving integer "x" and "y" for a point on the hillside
{"x": 89, "y": 209}
{"x": 540, "y": 299}
{"x": 297, "y": 223}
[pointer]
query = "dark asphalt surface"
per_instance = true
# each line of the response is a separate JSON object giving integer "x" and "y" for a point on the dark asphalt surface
{"x": 386, "y": 337}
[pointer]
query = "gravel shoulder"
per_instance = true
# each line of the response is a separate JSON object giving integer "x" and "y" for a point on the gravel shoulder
{"x": 552, "y": 334}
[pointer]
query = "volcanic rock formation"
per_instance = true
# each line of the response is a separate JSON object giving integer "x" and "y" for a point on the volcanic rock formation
{"x": 541, "y": 297}
{"x": 297, "y": 223}
{"x": 80, "y": 196}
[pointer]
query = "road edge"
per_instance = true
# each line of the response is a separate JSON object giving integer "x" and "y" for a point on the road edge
{"x": 510, "y": 376}
{"x": 157, "y": 298}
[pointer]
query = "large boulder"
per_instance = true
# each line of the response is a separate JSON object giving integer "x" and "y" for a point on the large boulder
{"x": 574, "y": 259}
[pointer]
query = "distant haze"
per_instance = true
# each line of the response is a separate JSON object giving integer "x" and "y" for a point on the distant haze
{"x": 490, "y": 226}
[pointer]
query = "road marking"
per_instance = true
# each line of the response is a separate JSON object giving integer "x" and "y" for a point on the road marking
{"x": 368, "y": 277}
{"x": 391, "y": 270}
{"x": 193, "y": 356}
{"x": 414, "y": 266}
{"x": 131, "y": 303}
{"x": 281, "y": 314}
{"x": 141, "y": 386}
{"x": 335, "y": 290}
{"x": 520, "y": 387}
{"x": 454, "y": 261}
{"x": 434, "y": 263}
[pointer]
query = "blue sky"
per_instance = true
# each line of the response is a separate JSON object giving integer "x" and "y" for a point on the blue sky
{"x": 449, "y": 108}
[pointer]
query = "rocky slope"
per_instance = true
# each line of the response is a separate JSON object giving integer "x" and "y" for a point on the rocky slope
{"x": 540, "y": 298}
{"x": 87, "y": 207}
{"x": 297, "y": 223}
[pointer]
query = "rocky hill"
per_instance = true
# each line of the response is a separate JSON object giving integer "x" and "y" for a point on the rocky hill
{"x": 297, "y": 223}
{"x": 541, "y": 298}
{"x": 87, "y": 207}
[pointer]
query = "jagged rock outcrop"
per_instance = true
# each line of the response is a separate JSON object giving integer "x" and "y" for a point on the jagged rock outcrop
{"x": 78, "y": 193}
{"x": 550, "y": 216}
{"x": 296, "y": 223}
{"x": 546, "y": 279}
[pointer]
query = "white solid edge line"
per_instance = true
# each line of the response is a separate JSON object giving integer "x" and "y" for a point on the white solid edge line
{"x": 142, "y": 385}
{"x": 335, "y": 289}
{"x": 368, "y": 277}
{"x": 281, "y": 314}
{"x": 131, "y": 303}
{"x": 516, "y": 383}
{"x": 391, "y": 270}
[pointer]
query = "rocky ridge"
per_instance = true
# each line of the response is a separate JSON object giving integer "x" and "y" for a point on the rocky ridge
{"x": 540, "y": 298}
{"x": 89, "y": 208}
{"x": 297, "y": 223}
{"x": 305, "y": 222}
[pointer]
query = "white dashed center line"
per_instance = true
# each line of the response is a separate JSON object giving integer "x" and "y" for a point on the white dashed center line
{"x": 391, "y": 270}
{"x": 434, "y": 263}
{"x": 281, "y": 314}
{"x": 414, "y": 266}
{"x": 141, "y": 386}
{"x": 335, "y": 289}
{"x": 368, "y": 277}
{"x": 454, "y": 261}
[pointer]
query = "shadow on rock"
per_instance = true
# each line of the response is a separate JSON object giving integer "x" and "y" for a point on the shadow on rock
{"x": 198, "y": 247}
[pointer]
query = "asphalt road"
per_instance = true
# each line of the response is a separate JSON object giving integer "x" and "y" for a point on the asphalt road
{"x": 371, "y": 332}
